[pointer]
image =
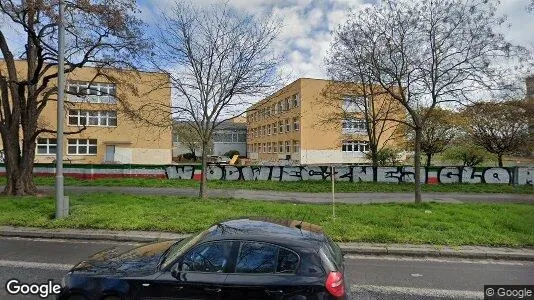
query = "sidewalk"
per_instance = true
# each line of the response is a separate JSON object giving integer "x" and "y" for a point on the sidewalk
{"x": 354, "y": 198}
{"x": 471, "y": 252}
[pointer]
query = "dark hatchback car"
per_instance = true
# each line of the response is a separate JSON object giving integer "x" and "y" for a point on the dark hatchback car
{"x": 235, "y": 259}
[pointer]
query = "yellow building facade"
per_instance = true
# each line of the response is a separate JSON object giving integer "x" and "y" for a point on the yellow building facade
{"x": 107, "y": 103}
{"x": 302, "y": 124}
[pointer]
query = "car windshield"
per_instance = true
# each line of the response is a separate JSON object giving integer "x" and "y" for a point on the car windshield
{"x": 179, "y": 248}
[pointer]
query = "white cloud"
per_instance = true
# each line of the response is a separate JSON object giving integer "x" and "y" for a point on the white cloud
{"x": 307, "y": 25}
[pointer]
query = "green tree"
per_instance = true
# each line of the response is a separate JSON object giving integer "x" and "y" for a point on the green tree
{"x": 500, "y": 128}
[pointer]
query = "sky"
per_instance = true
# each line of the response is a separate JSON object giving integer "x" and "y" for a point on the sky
{"x": 306, "y": 33}
{"x": 307, "y": 26}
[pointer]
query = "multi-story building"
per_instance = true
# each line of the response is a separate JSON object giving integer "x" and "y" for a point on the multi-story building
{"x": 229, "y": 135}
{"x": 103, "y": 109}
{"x": 300, "y": 124}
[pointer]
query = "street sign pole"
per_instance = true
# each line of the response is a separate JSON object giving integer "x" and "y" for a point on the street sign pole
{"x": 62, "y": 205}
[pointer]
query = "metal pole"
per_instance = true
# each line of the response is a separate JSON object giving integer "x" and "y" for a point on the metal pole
{"x": 60, "y": 197}
{"x": 332, "y": 175}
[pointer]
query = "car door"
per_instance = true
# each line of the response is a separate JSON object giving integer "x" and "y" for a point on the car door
{"x": 198, "y": 274}
{"x": 266, "y": 271}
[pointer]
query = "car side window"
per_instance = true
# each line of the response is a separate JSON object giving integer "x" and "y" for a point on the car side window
{"x": 256, "y": 257}
{"x": 287, "y": 261}
{"x": 209, "y": 257}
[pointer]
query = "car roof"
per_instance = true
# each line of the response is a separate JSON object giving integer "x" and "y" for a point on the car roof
{"x": 290, "y": 233}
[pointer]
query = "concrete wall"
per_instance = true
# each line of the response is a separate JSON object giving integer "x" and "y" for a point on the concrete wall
{"x": 516, "y": 175}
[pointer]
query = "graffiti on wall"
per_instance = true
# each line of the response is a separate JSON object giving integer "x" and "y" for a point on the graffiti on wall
{"x": 515, "y": 175}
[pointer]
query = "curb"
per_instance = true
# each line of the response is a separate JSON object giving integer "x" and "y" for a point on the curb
{"x": 466, "y": 252}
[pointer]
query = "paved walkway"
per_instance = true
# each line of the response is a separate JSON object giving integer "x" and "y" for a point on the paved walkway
{"x": 474, "y": 252}
{"x": 305, "y": 197}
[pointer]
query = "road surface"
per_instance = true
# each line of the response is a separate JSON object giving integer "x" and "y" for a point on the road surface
{"x": 38, "y": 260}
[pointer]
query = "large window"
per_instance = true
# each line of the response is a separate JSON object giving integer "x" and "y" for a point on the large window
{"x": 275, "y": 148}
{"x": 352, "y": 103}
{"x": 229, "y": 137}
{"x": 269, "y": 148}
{"x": 281, "y": 126}
{"x": 96, "y": 92}
{"x": 280, "y": 147}
{"x": 353, "y": 126}
{"x": 275, "y": 128}
{"x": 288, "y": 126}
{"x": 256, "y": 257}
{"x": 81, "y": 147}
{"x": 287, "y": 104}
{"x": 355, "y": 146}
{"x": 296, "y": 146}
{"x": 92, "y": 117}
{"x": 296, "y": 124}
{"x": 288, "y": 147}
{"x": 209, "y": 257}
{"x": 295, "y": 100}
{"x": 46, "y": 146}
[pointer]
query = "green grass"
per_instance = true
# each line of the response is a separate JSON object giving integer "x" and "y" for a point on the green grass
{"x": 295, "y": 186}
{"x": 433, "y": 223}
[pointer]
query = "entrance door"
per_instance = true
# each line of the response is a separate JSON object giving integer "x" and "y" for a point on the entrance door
{"x": 110, "y": 153}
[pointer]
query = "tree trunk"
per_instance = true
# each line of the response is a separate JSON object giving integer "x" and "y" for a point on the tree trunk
{"x": 428, "y": 159}
{"x": 203, "y": 185}
{"x": 417, "y": 164}
{"x": 499, "y": 158}
{"x": 19, "y": 169}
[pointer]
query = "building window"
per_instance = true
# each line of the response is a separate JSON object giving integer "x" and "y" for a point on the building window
{"x": 296, "y": 146}
{"x": 355, "y": 146}
{"x": 269, "y": 148}
{"x": 249, "y": 148}
{"x": 281, "y": 126}
{"x": 351, "y": 104}
{"x": 353, "y": 126}
{"x": 296, "y": 125}
{"x": 229, "y": 137}
{"x": 288, "y": 147}
{"x": 280, "y": 147}
{"x": 106, "y": 118}
{"x": 255, "y": 132}
{"x": 269, "y": 129}
{"x": 46, "y": 146}
{"x": 288, "y": 126}
{"x": 286, "y": 103}
{"x": 295, "y": 99}
{"x": 280, "y": 107}
{"x": 96, "y": 92}
{"x": 275, "y": 128}
{"x": 275, "y": 149}
{"x": 81, "y": 147}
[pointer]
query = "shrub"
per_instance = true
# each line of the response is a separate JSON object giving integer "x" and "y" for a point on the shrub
{"x": 468, "y": 154}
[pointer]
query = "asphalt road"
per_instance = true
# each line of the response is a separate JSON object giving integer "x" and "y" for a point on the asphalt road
{"x": 39, "y": 260}
{"x": 359, "y": 198}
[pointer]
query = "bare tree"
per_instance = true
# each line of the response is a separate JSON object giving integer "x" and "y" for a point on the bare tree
{"x": 440, "y": 129}
{"x": 500, "y": 128}
{"x": 220, "y": 58}
{"x": 188, "y": 136}
{"x": 99, "y": 33}
{"x": 423, "y": 53}
{"x": 367, "y": 107}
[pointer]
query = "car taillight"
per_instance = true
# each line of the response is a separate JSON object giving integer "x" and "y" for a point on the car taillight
{"x": 334, "y": 284}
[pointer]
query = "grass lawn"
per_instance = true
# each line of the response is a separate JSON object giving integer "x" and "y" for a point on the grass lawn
{"x": 295, "y": 186}
{"x": 434, "y": 223}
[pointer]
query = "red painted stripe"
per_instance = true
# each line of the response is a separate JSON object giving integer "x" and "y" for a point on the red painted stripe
{"x": 432, "y": 180}
{"x": 197, "y": 177}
